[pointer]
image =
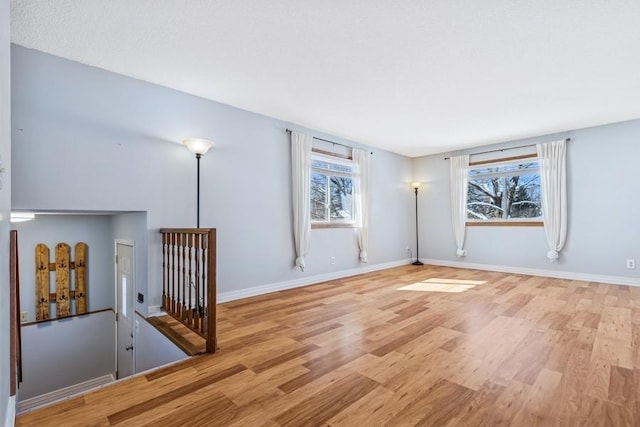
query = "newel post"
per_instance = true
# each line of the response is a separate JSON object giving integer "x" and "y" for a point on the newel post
{"x": 212, "y": 342}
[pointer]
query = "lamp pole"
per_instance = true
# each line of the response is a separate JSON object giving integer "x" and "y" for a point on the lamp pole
{"x": 199, "y": 147}
{"x": 198, "y": 157}
{"x": 417, "y": 261}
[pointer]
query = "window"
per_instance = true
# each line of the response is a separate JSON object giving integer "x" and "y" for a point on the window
{"x": 331, "y": 191}
{"x": 504, "y": 191}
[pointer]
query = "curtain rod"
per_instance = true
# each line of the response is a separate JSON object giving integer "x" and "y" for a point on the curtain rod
{"x": 504, "y": 149}
{"x": 326, "y": 140}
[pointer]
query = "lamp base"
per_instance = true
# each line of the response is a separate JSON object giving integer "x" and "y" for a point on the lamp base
{"x": 417, "y": 262}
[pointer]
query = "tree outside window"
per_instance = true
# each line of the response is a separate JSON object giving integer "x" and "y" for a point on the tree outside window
{"x": 331, "y": 191}
{"x": 508, "y": 191}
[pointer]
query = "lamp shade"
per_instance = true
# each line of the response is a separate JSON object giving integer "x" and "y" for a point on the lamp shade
{"x": 197, "y": 145}
{"x": 416, "y": 184}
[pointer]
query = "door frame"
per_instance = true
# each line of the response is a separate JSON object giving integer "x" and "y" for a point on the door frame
{"x": 117, "y": 289}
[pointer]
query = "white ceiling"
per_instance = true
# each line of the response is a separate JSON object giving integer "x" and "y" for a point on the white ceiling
{"x": 411, "y": 76}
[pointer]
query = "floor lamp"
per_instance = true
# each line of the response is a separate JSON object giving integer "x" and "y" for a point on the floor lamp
{"x": 415, "y": 186}
{"x": 199, "y": 147}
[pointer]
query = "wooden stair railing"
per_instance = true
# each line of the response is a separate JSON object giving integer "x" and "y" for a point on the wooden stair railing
{"x": 189, "y": 279}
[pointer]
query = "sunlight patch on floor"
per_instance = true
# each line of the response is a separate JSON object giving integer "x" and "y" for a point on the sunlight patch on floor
{"x": 443, "y": 285}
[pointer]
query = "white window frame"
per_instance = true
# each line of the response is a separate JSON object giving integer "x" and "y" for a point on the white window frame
{"x": 537, "y": 221}
{"x": 338, "y": 160}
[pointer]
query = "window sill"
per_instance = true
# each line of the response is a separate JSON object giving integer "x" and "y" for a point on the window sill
{"x": 332, "y": 225}
{"x": 505, "y": 224}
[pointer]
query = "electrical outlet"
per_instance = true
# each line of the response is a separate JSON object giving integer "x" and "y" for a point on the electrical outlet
{"x": 408, "y": 249}
{"x": 24, "y": 316}
{"x": 631, "y": 264}
{"x": 332, "y": 260}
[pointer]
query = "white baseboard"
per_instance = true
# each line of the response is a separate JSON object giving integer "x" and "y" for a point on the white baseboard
{"x": 305, "y": 281}
{"x": 62, "y": 394}
{"x": 10, "y": 414}
{"x": 614, "y": 280}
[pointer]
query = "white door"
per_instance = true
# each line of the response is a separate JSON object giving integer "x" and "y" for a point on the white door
{"x": 124, "y": 309}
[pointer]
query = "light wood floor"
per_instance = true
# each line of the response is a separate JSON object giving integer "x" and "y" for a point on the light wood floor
{"x": 499, "y": 350}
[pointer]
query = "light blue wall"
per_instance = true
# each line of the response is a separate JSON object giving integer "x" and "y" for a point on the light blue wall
{"x": 88, "y": 353}
{"x": 5, "y": 207}
{"x": 152, "y": 348}
{"x": 603, "y": 205}
{"x": 112, "y": 143}
{"x": 94, "y": 230}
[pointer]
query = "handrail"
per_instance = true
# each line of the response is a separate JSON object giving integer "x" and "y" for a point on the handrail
{"x": 36, "y": 322}
{"x": 187, "y": 230}
{"x": 189, "y": 279}
{"x": 15, "y": 337}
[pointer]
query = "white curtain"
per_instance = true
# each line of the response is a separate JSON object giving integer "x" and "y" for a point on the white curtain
{"x": 459, "y": 181}
{"x": 301, "y": 187}
{"x": 361, "y": 194}
{"x": 553, "y": 192}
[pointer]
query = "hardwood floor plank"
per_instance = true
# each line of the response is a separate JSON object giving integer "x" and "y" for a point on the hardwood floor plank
{"x": 411, "y": 332}
{"x": 431, "y": 368}
{"x": 328, "y": 402}
{"x": 475, "y": 324}
{"x": 317, "y": 331}
{"x": 539, "y": 351}
{"x": 568, "y": 393}
{"x": 266, "y": 383}
{"x": 516, "y": 303}
{"x": 365, "y": 411}
{"x": 616, "y": 323}
{"x": 478, "y": 412}
{"x": 252, "y": 413}
{"x": 317, "y": 368}
{"x": 392, "y": 345}
{"x": 537, "y": 409}
{"x": 446, "y": 400}
{"x": 199, "y": 409}
{"x": 622, "y": 386}
{"x": 408, "y": 312}
{"x": 430, "y": 341}
{"x": 561, "y": 350}
{"x": 600, "y": 413}
{"x": 510, "y": 403}
{"x": 598, "y": 376}
{"x": 268, "y": 364}
{"x": 614, "y": 351}
{"x": 132, "y": 411}
{"x": 635, "y": 344}
{"x": 434, "y": 406}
